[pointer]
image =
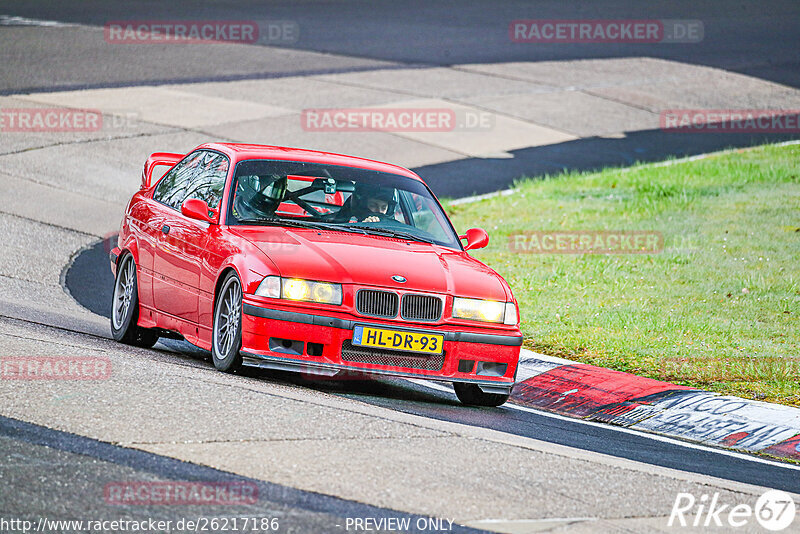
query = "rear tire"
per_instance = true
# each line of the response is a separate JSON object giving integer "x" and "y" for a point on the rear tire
{"x": 226, "y": 334}
{"x": 471, "y": 395}
{"x": 125, "y": 308}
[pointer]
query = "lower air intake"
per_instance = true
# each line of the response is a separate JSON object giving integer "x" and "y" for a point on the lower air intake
{"x": 390, "y": 358}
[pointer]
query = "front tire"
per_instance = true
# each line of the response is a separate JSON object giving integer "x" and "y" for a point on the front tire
{"x": 125, "y": 308}
{"x": 471, "y": 395}
{"x": 226, "y": 339}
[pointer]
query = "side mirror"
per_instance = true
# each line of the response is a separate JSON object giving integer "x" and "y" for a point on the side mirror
{"x": 194, "y": 208}
{"x": 476, "y": 238}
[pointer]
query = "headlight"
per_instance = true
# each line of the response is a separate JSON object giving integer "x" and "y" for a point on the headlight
{"x": 297, "y": 289}
{"x": 489, "y": 311}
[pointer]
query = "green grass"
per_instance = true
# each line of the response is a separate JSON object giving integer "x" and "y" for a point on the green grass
{"x": 719, "y": 308}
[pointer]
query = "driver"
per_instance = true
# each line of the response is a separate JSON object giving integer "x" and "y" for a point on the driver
{"x": 369, "y": 203}
{"x": 258, "y": 196}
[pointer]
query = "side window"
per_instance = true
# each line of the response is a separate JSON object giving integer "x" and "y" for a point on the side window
{"x": 171, "y": 190}
{"x": 201, "y": 175}
{"x": 209, "y": 183}
{"x": 425, "y": 215}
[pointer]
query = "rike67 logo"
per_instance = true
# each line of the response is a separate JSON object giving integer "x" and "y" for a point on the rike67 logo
{"x": 774, "y": 510}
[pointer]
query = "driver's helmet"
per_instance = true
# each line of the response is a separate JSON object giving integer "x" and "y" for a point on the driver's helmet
{"x": 364, "y": 192}
{"x": 259, "y": 196}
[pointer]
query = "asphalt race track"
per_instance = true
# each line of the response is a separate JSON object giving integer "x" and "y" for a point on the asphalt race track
{"x": 759, "y": 39}
{"x": 322, "y": 452}
{"x": 90, "y": 270}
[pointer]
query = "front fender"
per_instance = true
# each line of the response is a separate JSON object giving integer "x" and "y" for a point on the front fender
{"x": 131, "y": 246}
{"x": 228, "y": 251}
{"x": 250, "y": 275}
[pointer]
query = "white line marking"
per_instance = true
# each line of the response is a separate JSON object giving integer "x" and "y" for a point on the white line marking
{"x": 655, "y": 437}
{"x": 526, "y": 354}
{"x": 476, "y": 198}
{"x": 514, "y": 526}
{"x": 6, "y": 20}
{"x": 707, "y": 155}
{"x": 542, "y": 520}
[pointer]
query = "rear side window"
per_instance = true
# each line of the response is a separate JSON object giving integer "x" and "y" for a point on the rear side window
{"x": 201, "y": 175}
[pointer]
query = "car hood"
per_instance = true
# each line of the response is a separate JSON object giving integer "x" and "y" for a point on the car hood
{"x": 352, "y": 258}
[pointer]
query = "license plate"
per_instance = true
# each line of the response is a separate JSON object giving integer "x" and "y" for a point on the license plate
{"x": 384, "y": 338}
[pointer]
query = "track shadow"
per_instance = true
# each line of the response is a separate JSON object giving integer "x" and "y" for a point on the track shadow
{"x": 89, "y": 280}
{"x": 465, "y": 177}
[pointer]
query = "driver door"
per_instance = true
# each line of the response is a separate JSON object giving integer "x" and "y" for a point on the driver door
{"x": 179, "y": 256}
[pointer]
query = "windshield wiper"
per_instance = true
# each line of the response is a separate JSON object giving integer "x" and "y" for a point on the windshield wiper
{"x": 272, "y": 221}
{"x": 392, "y": 233}
{"x": 352, "y": 228}
{"x": 298, "y": 223}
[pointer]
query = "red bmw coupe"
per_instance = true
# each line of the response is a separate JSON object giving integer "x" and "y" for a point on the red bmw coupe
{"x": 299, "y": 260}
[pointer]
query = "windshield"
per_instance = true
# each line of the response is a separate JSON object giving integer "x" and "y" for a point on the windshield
{"x": 336, "y": 197}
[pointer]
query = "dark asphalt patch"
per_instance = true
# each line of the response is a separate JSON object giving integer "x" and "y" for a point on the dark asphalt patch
{"x": 89, "y": 280}
{"x": 743, "y": 36}
{"x": 464, "y": 177}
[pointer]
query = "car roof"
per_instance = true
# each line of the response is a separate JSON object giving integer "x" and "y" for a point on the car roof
{"x": 240, "y": 151}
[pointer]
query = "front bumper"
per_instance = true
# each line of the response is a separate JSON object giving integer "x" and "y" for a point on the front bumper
{"x": 322, "y": 345}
